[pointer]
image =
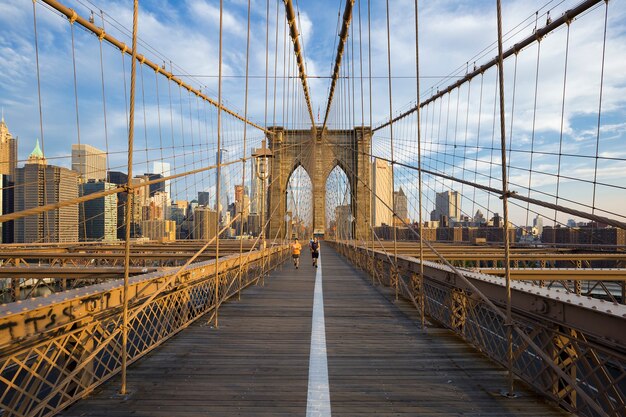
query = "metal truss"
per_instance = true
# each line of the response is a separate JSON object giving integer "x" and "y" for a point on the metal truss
{"x": 56, "y": 351}
{"x": 580, "y": 367}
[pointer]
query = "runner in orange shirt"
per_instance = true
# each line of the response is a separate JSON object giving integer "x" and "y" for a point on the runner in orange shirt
{"x": 296, "y": 247}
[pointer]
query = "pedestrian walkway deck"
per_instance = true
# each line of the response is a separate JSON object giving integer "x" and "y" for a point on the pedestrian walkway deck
{"x": 257, "y": 363}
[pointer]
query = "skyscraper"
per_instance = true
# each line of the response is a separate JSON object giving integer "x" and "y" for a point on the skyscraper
{"x": 224, "y": 201}
{"x": 139, "y": 198}
{"x": 401, "y": 207}
{"x": 89, "y": 162}
{"x": 38, "y": 184}
{"x": 8, "y": 151}
{"x": 382, "y": 198}
{"x": 157, "y": 186}
{"x": 98, "y": 218}
{"x": 6, "y": 207}
{"x": 538, "y": 224}
{"x": 448, "y": 205}
{"x": 257, "y": 189}
{"x": 239, "y": 193}
{"x": 204, "y": 198}
{"x": 204, "y": 220}
{"x": 163, "y": 168}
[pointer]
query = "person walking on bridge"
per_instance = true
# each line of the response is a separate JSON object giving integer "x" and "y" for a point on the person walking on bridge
{"x": 296, "y": 247}
{"x": 314, "y": 245}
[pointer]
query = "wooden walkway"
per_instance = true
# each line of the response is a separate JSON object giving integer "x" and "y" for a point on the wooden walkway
{"x": 257, "y": 363}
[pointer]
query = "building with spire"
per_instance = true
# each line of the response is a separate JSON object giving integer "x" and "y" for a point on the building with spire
{"x": 38, "y": 184}
{"x": 8, "y": 151}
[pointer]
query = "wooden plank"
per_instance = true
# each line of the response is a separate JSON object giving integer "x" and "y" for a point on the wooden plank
{"x": 256, "y": 363}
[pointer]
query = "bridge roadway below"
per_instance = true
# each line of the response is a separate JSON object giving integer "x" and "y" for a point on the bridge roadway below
{"x": 380, "y": 362}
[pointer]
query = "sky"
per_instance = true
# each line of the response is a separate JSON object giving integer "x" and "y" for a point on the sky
{"x": 183, "y": 35}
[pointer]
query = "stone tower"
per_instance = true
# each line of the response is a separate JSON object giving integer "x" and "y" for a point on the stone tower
{"x": 319, "y": 153}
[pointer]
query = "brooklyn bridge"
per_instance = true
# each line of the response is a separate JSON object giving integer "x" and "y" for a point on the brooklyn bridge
{"x": 459, "y": 168}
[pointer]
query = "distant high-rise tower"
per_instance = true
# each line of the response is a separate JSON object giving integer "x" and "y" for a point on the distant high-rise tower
{"x": 447, "y": 205}
{"x": 203, "y": 198}
{"x": 401, "y": 207}
{"x": 38, "y": 184}
{"x": 224, "y": 201}
{"x": 98, "y": 218}
{"x": 239, "y": 192}
{"x": 89, "y": 162}
{"x": 538, "y": 224}
{"x": 8, "y": 151}
{"x": 164, "y": 169}
{"x": 257, "y": 189}
{"x": 7, "y": 203}
{"x": 382, "y": 199}
{"x": 204, "y": 220}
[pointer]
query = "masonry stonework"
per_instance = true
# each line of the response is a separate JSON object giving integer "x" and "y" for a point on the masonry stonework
{"x": 319, "y": 152}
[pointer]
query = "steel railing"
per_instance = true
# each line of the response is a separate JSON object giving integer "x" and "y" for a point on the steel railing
{"x": 56, "y": 354}
{"x": 593, "y": 360}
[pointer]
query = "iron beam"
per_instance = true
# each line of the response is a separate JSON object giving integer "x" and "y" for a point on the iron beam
{"x": 544, "y": 304}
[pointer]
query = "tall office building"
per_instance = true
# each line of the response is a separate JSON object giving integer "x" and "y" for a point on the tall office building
{"x": 257, "y": 189}
{"x": 89, "y": 162}
{"x": 159, "y": 229}
{"x": 164, "y": 169}
{"x": 382, "y": 198}
{"x": 98, "y": 218}
{"x": 447, "y": 205}
{"x": 204, "y": 223}
{"x": 203, "y": 198}
{"x": 156, "y": 187}
{"x": 117, "y": 177}
{"x": 157, "y": 207}
{"x": 7, "y": 203}
{"x": 538, "y": 224}
{"x": 224, "y": 201}
{"x": 239, "y": 192}
{"x": 38, "y": 184}
{"x": 401, "y": 207}
{"x": 8, "y": 151}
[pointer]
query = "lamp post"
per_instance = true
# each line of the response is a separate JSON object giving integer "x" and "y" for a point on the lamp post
{"x": 262, "y": 157}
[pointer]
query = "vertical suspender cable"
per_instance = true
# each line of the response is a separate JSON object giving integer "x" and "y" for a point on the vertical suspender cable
{"x": 595, "y": 170}
{"x": 104, "y": 101}
{"x": 505, "y": 206}
{"x": 512, "y": 111}
{"x": 245, "y": 112}
{"x": 43, "y": 149}
{"x": 129, "y": 191}
{"x": 532, "y": 140}
{"x": 80, "y": 189}
{"x": 393, "y": 197}
{"x": 419, "y": 165}
{"x": 558, "y": 171}
{"x": 369, "y": 76}
{"x": 219, "y": 171}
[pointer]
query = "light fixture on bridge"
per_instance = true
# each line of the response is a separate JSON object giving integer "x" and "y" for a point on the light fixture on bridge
{"x": 262, "y": 157}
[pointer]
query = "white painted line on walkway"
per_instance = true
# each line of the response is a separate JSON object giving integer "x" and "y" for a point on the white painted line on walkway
{"x": 318, "y": 399}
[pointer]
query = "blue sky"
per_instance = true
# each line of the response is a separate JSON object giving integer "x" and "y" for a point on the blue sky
{"x": 453, "y": 35}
